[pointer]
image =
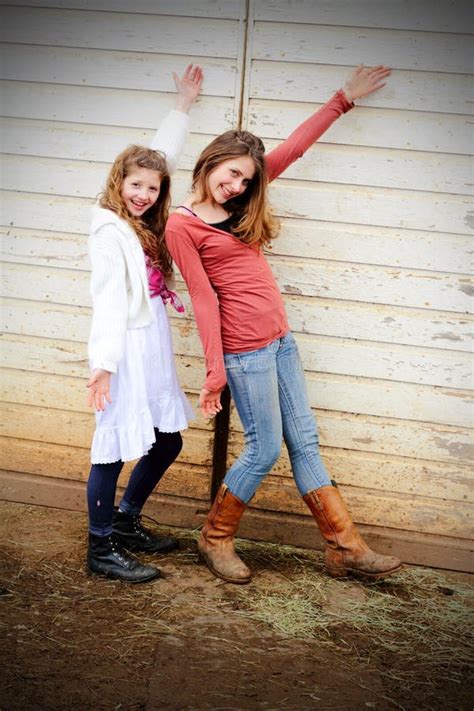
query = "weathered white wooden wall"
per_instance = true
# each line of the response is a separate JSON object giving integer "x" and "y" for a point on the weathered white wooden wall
{"x": 81, "y": 81}
{"x": 373, "y": 257}
{"x": 375, "y": 252}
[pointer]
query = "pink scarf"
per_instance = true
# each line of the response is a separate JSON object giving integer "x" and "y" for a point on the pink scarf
{"x": 157, "y": 286}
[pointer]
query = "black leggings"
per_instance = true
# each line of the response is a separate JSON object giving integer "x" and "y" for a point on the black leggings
{"x": 146, "y": 474}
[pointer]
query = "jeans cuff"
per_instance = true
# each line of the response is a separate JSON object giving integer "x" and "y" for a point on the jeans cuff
{"x": 130, "y": 509}
{"x": 102, "y": 530}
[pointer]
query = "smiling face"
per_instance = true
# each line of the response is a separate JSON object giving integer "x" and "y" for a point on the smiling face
{"x": 140, "y": 190}
{"x": 230, "y": 178}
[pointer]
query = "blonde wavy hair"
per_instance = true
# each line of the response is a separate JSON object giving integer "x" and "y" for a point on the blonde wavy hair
{"x": 255, "y": 222}
{"x": 150, "y": 228}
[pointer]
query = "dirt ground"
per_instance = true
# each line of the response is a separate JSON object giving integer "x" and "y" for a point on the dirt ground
{"x": 292, "y": 639}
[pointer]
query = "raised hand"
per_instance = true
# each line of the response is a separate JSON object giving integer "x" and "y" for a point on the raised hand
{"x": 365, "y": 80}
{"x": 99, "y": 389}
{"x": 188, "y": 86}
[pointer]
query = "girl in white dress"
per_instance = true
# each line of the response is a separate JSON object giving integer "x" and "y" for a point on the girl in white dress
{"x": 140, "y": 408}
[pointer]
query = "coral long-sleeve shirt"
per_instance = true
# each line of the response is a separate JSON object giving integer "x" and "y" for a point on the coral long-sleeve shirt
{"x": 237, "y": 303}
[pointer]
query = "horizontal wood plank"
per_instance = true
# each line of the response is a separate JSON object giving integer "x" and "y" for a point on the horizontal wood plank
{"x": 298, "y": 238}
{"x": 368, "y": 166}
{"x": 385, "y": 207}
{"x": 401, "y": 438}
{"x": 422, "y": 15}
{"x": 183, "y": 478}
{"x": 124, "y": 31}
{"x": 230, "y": 9}
{"x": 342, "y": 393}
{"x": 377, "y": 322}
{"x": 109, "y": 107}
{"x": 416, "y": 548}
{"x": 366, "y": 126}
{"x": 76, "y": 141}
{"x": 381, "y": 472}
{"x": 322, "y": 317}
{"x": 372, "y": 284}
{"x": 321, "y": 355}
{"x": 144, "y": 71}
{"x": 410, "y": 513}
{"x": 327, "y": 44}
{"x": 75, "y": 429}
{"x": 367, "y": 244}
{"x": 373, "y": 206}
{"x": 407, "y": 90}
{"x": 373, "y": 361}
{"x": 416, "y": 513}
{"x": 41, "y": 389}
{"x": 384, "y": 168}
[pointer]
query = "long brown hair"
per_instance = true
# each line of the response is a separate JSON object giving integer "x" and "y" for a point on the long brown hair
{"x": 150, "y": 228}
{"x": 255, "y": 222}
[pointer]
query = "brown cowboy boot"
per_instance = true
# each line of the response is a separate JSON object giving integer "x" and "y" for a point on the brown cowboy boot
{"x": 215, "y": 543}
{"x": 346, "y": 551}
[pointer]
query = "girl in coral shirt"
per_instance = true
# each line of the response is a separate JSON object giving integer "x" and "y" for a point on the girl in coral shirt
{"x": 217, "y": 238}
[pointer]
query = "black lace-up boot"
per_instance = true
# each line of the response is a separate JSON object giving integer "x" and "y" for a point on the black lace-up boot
{"x": 130, "y": 533}
{"x": 106, "y": 557}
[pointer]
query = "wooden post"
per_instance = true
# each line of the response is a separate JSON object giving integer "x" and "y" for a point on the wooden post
{"x": 221, "y": 438}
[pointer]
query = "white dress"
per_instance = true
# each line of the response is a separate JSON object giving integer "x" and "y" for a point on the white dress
{"x": 145, "y": 391}
{"x": 145, "y": 394}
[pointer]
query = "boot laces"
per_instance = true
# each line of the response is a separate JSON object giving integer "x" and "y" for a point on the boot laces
{"x": 139, "y": 529}
{"x": 117, "y": 551}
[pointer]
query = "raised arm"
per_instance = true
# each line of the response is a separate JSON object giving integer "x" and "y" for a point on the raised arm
{"x": 206, "y": 312}
{"x": 173, "y": 131}
{"x": 361, "y": 82}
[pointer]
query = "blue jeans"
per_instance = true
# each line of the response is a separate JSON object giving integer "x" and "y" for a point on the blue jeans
{"x": 269, "y": 391}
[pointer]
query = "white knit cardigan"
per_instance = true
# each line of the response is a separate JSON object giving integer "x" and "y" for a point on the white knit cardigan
{"x": 119, "y": 284}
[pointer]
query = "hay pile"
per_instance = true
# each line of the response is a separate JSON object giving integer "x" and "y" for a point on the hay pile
{"x": 418, "y": 621}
